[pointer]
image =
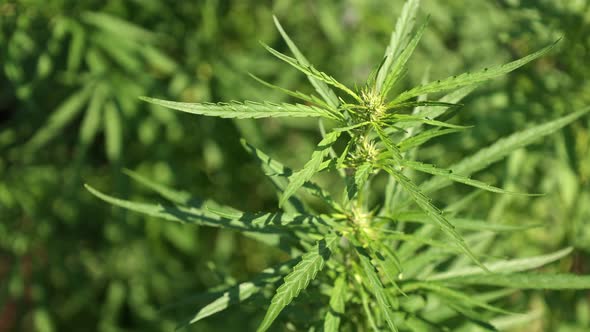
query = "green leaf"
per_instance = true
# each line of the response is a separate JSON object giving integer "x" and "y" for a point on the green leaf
{"x": 425, "y": 204}
{"x": 322, "y": 88}
{"x": 465, "y": 79}
{"x": 398, "y": 41}
{"x": 377, "y": 288}
{"x": 451, "y": 295}
{"x": 389, "y": 144}
{"x": 76, "y": 49}
{"x": 388, "y": 262}
{"x": 296, "y": 281}
{"x": 113, "y": 131}
{"x": 526, "y": 280}
{"x": 175, "y": 196}
{"x": 400, "y": 118}
{"x": 464, "y": 223}
{"x": 506, "y": 266}
{"x": 239, "y": 293}
{"x": 336, "y": 306}
{"x": 502, "y": 148}
{"x": 215, "y": 215}
{"x": 421, "y": 103}
{"x": 449, "y": 174}
{"x": 356, "y": 183}
{"x": 423, "y": 137}
{"x": 367, "y": 309}
{"x": 312, "y": 71}
{"x": 92, "y": 119}
{"x": 399, "y": 62}
{"x": 296, "y": 94}
{"x": 434, "y": 112}
{"x": 63, "y": 115}
{"x": 311, "y": 167}
{"x": 248, "y": 109}
{"x": 119, "y": 27}
{"x": 278, "y": 174}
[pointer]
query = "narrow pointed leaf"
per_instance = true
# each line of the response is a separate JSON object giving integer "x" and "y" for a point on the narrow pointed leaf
{"x": 367, "y": 309}
{"x": 312, "y": 71}
{"x": 399, "y": 62}
{"x": 506, "y": 266}
{"x": 63, "y": 115}
{"x": 434, "y": 112}
{"x": 311, "y": 167}
{"x": 336, "y": 306}
{"x": 389, "y": 144}
{"x": 278, "y": 173}
{"x": 388, "y": 263}
{"x": 248, "y": 109}
{"x": 296, "y": 281}
{"x": 449, "y": 174}
{"x": 448, "y": 294}
{"x": 361, "y": 176}
{"x": 464, "y": 223}
{"x": 399, "y": 39}
{"x": 239, "y": 293}
{"x": 296, "y": 94}
{"x": 425, "y": 204}
{"x": 92, "y": 120}
{"x": 215, "y": 215}
{"x": 113, "y": 131}
{"x": 395, "y": 118}
{"x": 455, "y": 82}
{"x": 377, "y": 288}
{"x": 423, "y": 137}
{"x": 175, "y": 196}
{"x": 322, "y": 88}
{"x": 526, "y": 280}
{"x": 423, "y": 103}
{"x": 502, "y": 148}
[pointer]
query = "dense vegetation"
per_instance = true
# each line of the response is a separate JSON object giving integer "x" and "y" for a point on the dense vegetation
{"x": 71, "y": 76}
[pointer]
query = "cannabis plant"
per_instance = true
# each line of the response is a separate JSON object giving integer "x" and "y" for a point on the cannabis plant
{"x": 372, "y": 261}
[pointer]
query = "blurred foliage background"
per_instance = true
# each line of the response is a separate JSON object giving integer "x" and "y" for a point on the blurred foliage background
{"x": 71, "y": 72}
